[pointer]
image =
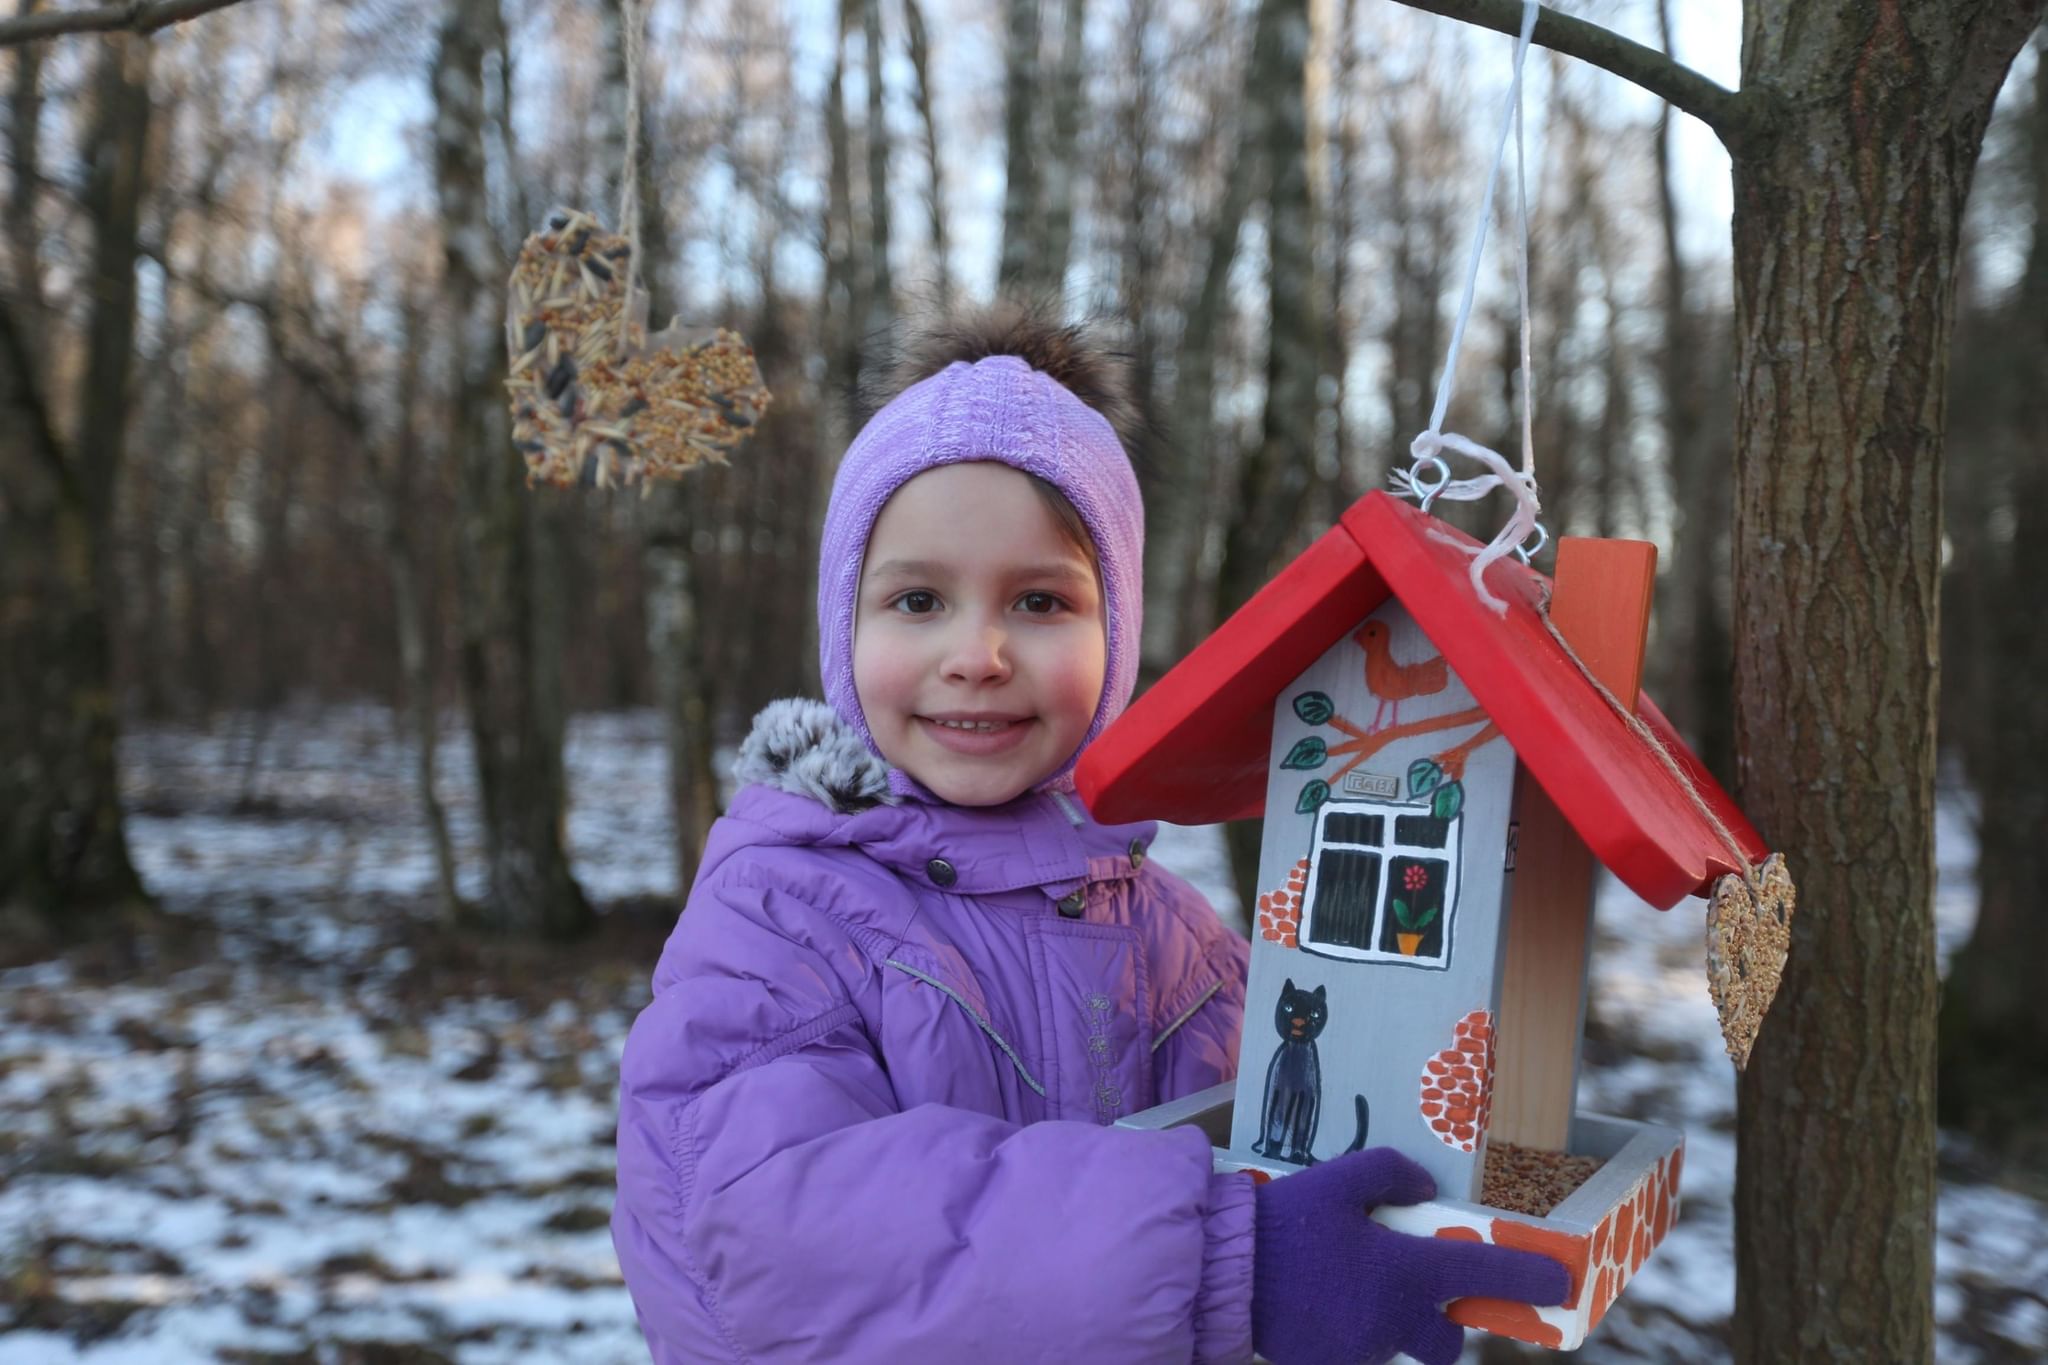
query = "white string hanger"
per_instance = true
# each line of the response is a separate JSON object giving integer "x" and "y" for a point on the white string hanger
{"x": 1429, "y": 477}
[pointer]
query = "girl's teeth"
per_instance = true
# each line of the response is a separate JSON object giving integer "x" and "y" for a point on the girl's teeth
{"x": 978, "y": 726}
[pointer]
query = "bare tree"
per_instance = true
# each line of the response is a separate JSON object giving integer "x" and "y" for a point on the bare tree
{"x": 880, "y": 284}
{"x": 1068, "y": 98}
{"x": 1274, "y": 476}
{"x": 517, "y": 733}
{"x": 1022, "y": 267}
{"x": 935, "y": 181}
{"x": 63, "y": 847}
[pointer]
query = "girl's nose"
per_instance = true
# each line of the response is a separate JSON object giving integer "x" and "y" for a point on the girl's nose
{"x": 977, "y": 653}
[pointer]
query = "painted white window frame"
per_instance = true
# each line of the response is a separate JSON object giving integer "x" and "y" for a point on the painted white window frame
{"x": 1389, "y": 849}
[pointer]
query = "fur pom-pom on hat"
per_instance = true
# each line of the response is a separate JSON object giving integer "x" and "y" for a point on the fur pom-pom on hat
{"x": 1088, "y": 359}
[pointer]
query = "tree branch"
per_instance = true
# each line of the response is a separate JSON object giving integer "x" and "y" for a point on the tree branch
{"x": 137, "y": 16}
{"x": 1725, "y": 111}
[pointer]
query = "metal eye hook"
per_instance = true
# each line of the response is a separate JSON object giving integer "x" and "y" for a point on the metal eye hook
{"x": 1523, "y": 551}
{"x": 1425, "y": 492}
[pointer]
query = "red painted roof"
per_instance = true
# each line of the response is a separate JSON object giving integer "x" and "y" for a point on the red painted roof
{"x": 1194, "y": 748}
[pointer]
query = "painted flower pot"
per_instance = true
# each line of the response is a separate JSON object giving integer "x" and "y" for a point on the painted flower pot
{"x": 1603, "y": 1232}
{"x": 1409, "y": 943}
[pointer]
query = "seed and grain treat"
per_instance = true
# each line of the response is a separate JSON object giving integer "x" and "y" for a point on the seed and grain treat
{"x": 595, "y": 400}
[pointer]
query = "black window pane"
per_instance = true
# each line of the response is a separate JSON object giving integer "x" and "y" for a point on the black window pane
{"x": 1414, "y": 922}
{"x": 1425, "y": 831}
{"x": 1353, "y": 829}
{"x": 1347, "y": 886}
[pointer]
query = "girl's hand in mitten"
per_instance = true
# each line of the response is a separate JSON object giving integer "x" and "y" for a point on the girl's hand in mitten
{"x": 1332, "y": 1287}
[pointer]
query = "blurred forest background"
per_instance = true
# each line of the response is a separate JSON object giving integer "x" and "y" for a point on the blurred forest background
{"x": 253, "y": 450}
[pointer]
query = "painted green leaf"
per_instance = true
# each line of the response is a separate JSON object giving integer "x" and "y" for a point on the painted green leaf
{"x": 1306, "y": 754}
{"x": 1425, "y": 919}
{"x": 1312, "y": 795}
{"x": 1423, "y": 775}
{"x": 1314, "y": 707}
{"x": 1448, "y": 801}
{"x": 1401, "y": 914}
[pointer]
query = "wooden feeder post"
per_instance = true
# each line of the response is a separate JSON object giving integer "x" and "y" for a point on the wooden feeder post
{"x": 1601, "y": 605}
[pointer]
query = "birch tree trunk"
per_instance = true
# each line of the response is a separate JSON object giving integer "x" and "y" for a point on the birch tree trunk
{"x": 516, "y": 730}
{"x": 1849, "y": 189}
{"x": 63, "y": 847}
{"x": 668, "y": 515}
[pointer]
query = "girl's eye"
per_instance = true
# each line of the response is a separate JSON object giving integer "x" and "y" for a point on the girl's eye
{"x": 918, "y": 603}
{"x": 1039, "y": 603}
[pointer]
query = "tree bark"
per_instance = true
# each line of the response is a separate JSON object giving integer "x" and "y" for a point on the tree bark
{"x": 63, "y": 847}
{"x": 935, "y": 200}
{"x": 516, "y": 731}
{"x": 1847, "y": 206}
{"x": 881, "y": 285}
{"x": 673, "y": 605}
{"x": 1175, "y": 523}
{"x": 1022, "y": 266}
{"x": 1068, "y": 93}
{"x": 1274, "y": 477}
{"x": 1691, "y": 612}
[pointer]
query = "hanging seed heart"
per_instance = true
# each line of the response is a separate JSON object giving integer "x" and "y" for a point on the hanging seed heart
{"x": 595, "y": 400}
{"x": 1748, "y": 937}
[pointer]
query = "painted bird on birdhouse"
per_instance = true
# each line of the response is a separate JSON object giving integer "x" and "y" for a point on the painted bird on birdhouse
{"x": 1393, "y": 683}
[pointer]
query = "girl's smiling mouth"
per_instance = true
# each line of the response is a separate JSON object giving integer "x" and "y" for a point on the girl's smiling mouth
{"x": 977, "y": 735}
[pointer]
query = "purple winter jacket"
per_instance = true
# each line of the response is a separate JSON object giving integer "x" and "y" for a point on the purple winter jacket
{"x": 863, "y": 1117}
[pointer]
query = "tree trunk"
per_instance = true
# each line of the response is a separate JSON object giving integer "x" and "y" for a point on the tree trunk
{"x": 415, "y": 655}
{"x": 935, "y": 202}
{"x": 1691, "y": 612}
{"x": 1848, "y": 196}
{"x": 63, "y": 847}
{"x": 1067, "y": 96}
{"x": 673, "y": 602}
{"x": 1275, "y": 476}
{"x": 516, "y": 731}
{"x": 1994, "y": 1014}
{"x": 881, "y": 284}
{"x": 1022, "y": 266}
{"x": 1175, "y": 521}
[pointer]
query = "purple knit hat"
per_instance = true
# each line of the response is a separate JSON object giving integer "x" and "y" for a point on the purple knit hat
{"x": 1001, "y": 409}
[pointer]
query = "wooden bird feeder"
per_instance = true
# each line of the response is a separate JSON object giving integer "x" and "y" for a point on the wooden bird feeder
{"x": 1437, "y": 782}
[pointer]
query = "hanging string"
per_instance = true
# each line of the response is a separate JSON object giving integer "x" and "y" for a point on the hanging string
{"x": 1428, "y": 447}
{"x": 631, "y": 20}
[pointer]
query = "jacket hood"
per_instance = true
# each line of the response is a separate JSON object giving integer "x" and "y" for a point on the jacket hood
{"x": 808, "y": 780}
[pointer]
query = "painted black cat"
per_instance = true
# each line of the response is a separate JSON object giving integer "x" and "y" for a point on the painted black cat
{"x": 1294, "y": 1080}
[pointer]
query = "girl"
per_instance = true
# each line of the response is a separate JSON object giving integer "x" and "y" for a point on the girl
{"x": 864, "y": 1117}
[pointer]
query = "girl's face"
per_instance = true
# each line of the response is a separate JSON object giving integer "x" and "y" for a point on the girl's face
{"x": 979, "y": 645}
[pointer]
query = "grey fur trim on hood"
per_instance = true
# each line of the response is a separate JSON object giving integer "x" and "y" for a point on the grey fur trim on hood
{"x": 801, "y": 746}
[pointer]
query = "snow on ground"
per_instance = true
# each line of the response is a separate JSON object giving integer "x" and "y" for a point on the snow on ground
{"x": 293, "y": 1141}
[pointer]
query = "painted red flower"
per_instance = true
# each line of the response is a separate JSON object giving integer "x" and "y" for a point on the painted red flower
{"x": 1415, "y": 878}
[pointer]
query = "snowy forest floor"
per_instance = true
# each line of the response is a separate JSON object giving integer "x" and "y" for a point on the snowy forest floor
{"x": 313, "y": 1126}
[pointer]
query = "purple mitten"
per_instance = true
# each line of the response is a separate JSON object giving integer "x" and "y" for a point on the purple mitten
{"x": 1332, "y": 1287}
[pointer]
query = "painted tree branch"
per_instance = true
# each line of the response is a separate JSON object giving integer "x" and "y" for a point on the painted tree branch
{"x": 136, "y": 16}
{"x": 1725, "y": 111}
{"x": 1365, "y": 744}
